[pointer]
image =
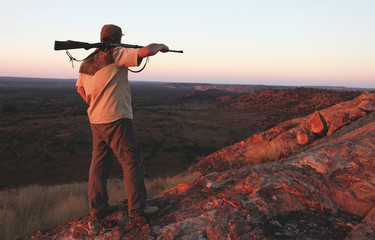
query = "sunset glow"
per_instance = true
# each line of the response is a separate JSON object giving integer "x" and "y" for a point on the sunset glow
{"x": 246, "y": 42}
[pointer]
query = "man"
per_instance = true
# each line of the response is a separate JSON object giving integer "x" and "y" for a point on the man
{"x": 103, "y": 84}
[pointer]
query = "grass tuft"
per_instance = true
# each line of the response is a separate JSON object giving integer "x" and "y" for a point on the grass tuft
{"x": 270, "y": 151}
{"x": 31, "y": 208}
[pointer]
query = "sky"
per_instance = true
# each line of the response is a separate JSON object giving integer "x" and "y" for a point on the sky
{"x": 270, "y": 42}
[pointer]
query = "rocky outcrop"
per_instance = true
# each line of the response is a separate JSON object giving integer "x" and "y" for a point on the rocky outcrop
{"x": 285, "y": 138}
{"x": 290, "y": 100}
{"x": 325, "y": 190}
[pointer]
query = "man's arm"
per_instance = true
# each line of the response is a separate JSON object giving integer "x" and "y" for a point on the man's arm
{"x": 151, "y": 50}
{"x": 82, "y": 93}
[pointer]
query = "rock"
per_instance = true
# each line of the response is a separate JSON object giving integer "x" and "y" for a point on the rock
{"x": 339, "y": 119}
{"x": 365, "y": 229}
{"x": 304, "y": 138}
{"x": 366, "y": 106}
{"x": 356, "y": 114}
{"x": 317, "y": 124}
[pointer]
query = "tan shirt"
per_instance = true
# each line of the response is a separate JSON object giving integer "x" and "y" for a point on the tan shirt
{"x": 108, "y": 90}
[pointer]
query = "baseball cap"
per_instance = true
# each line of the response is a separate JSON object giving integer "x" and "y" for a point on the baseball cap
{"x": 110, "y": 32}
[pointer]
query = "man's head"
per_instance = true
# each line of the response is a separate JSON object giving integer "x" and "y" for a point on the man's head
{"x": 111, "y": 33}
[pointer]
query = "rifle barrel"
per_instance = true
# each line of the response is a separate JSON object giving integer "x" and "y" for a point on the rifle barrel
{"x": 176, "y": 51}
{"x": 135, "y": 46}
{"x": 69, "y": 44}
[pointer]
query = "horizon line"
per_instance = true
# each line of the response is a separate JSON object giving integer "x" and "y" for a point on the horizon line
{"x": 206, "y": 83}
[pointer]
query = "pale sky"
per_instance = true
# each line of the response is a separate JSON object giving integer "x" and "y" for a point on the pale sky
{"x": 272, "y": 42}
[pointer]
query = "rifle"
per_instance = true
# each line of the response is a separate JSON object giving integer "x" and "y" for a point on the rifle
{"x": 65, "y": 45}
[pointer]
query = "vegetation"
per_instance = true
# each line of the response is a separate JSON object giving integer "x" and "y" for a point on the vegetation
{"x": 270, "y": 151}
{"x": 35, "y": 207}
{"x": 46, "y": 137}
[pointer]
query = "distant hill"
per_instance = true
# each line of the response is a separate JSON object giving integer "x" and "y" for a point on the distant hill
{"x": 300, "y": 98}
{"x": 244, "y": 88}
{"x": 251, "y": 87}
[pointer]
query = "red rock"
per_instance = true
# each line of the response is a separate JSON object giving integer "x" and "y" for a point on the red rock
{"x": 356, "y": 114}
{"x": 304, "y": 138}
{"x": 317, "y": 124}
{"x": 338, "y": 120}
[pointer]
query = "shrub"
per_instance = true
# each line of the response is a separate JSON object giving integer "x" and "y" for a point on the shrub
{"x": 9, "y": 108}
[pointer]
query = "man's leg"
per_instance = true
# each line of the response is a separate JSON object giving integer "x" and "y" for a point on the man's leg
{"x": 128, "y": 152}
{"x": 101, "y": 164}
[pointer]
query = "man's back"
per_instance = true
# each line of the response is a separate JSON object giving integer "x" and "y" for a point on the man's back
{"x": 107, "y": 90}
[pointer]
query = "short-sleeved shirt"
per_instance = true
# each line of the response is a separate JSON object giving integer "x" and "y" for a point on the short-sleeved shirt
{"x": 107, "y": 90}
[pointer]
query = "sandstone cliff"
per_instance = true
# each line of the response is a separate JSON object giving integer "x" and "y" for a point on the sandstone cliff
{"x": 322, "y": 188}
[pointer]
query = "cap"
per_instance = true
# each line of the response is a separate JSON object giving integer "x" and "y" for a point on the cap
{"x": 111, "y": 32}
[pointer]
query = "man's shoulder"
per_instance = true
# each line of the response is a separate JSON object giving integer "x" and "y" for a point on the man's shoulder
{"x": 96, "y": 62}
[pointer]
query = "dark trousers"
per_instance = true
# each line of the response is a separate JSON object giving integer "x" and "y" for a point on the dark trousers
{"x": 119, "y": 138}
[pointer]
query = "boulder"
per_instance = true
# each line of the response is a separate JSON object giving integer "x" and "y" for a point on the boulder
{"x": 304, "y": 138}
{"x": 317, "y": 124}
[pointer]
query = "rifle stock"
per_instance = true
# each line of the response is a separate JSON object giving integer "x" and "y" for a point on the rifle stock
{"x": 65, "y": 45}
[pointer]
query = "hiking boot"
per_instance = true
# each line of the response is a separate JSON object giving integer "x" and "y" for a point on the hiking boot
{"x": 149, "y": 210}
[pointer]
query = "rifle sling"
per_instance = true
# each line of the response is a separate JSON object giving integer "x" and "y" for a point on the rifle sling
{"x": 72, "y": 59}
{"x": 140, "y": 70}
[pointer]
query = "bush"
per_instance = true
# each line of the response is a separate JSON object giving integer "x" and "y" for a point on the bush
{"x": 9, "y": 108}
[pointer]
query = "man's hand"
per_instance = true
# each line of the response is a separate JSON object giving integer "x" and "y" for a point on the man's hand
{"x": 152, "y": 49}
{"x": 164, "y": 48}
